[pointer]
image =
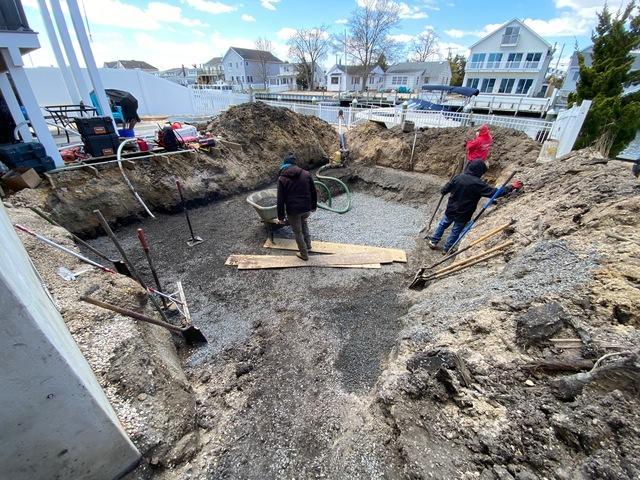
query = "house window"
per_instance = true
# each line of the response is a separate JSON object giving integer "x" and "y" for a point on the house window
{"x": 231, "y": 64}
{"x": 335, "y": 80}
{"x": 576, "y": 76}
{"x": 372, "y": 80}
{"x": 246, "y": 63}
{"x": 494, "y": 60}
{"x": 532, "y": 60}
{"x": 355, "y": 80}
{"x": 513, "y": 60}
{"x": 511, "y": 35}
{"x": 524, "y": 84}
{"x": 477, "y": 59}
{"x": 487, "y": 85}
{"x": 506, "y": 85}
{"x": 399, "y": 80}
{"x": 242, "y": 78}
{"x": 237, "y": 65}
{"x": 250, "y": 79}
{"x": 473, "y": 82}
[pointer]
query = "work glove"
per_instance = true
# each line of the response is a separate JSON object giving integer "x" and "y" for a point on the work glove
{"x": 517, "y": 185}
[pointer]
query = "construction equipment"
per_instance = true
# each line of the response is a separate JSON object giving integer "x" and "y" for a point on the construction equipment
{"x": 132, "y": 268}
{"x": 420, "y": 278}
{"x": 145, "y": 249}
{"x": 489, "y": 202}
{"x": 195, "y": 240}
{"x": 119, "y": 265}
{"x": 191, "y": 334}
{"x": 64, "y": 249}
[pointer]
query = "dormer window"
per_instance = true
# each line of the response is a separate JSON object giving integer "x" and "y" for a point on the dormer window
{"x": 511, "y": 36}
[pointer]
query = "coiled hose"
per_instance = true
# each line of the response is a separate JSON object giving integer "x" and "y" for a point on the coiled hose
{"x": 323, "y": 186}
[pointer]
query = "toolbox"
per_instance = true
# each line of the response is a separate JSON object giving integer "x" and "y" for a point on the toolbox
{"x": 94, "y": 126}
{"x": 26, "y": 155}
{"x": 101, "y": 145}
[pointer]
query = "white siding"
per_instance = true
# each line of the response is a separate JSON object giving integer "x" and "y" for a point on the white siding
{"x": 497, "y": 65}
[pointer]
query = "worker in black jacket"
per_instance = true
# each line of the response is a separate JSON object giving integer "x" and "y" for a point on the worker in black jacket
{"x": 466, "y": 190}
{"x": 297, "y": 196}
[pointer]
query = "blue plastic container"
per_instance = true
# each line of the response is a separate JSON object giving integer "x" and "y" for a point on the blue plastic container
{"x": 126, "y": 132}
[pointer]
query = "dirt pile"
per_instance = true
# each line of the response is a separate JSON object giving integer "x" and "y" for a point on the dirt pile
{"x": 437, "y": 150}
{"x": 476, "y": 360}
{"x": 264, "y": 135}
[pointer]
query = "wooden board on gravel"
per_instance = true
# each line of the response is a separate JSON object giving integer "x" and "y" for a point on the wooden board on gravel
{"x": 355, "y": 260}
{"x": 337, "y": 248}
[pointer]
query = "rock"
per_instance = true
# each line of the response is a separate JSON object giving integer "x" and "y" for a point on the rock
{"x": 243, "y": 368}
{"x": 502, "y": 473}
{"x": 142, "y": 397}
{"x": 529, "y": 383}
{"x": 539, "y": 323}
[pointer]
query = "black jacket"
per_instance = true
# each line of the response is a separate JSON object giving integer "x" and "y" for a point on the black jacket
{"x": 466, "y": 190}
{"x": 296, "y": 192}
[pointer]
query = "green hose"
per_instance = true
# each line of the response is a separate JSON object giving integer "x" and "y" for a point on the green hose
{"x": 321, "y": 184}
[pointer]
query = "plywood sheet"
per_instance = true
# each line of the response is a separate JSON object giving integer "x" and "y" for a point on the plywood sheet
{"x": 246, "y": 262}
{"x": 337, "y": 248}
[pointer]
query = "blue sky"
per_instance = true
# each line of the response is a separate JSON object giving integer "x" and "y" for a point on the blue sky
{"x": 167, "y": 33}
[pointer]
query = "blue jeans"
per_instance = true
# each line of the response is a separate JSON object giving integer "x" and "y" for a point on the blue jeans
{"x": 453, "y": 236}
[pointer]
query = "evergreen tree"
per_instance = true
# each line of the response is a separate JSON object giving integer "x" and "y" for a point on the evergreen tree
{"x": 457, "y": 64}
{"x": 613, "y": 119}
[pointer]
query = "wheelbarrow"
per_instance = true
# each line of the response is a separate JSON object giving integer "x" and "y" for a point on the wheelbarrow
{"x": 268, "y": 214}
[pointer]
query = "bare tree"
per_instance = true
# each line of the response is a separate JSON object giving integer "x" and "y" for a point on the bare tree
{"x": 308, "y": 47}
{"x": 369, "y": 28}
{"x": 424, "y": 46}
{"x": 265, "y": 52}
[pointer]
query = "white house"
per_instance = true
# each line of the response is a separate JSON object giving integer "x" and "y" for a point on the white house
{"x": 573, "y": 71}
{"x": 244, "y": 66}
{"x": 413, "y": 75}
{"x": 512, "y": 60}
{"x": 287, "y": 77}
{"x": 343, "y": 78}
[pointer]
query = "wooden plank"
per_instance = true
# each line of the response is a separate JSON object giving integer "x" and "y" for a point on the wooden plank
{"x": 337, "y": 248}
{"x": 288, "y": 261}
{"x": 183, "y": 299}
{"x": 368, "y": 266}
{"x": 351, "y": 259}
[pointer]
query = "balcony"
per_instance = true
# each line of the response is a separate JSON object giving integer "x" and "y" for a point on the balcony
{"x": 513, "y": 65}
{"x": 510, "y": 40}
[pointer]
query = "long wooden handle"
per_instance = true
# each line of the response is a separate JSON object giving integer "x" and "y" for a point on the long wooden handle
{"x": 487, "y": 257}
{"x": 461, "y": 263}
{"x": 130, "y": 313}
{"x": 143, "y": 240}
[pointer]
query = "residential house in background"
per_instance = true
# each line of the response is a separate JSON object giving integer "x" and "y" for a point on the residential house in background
{"x": 131, "y": 65}
{"x": 244, "y": 66}
{"x": 212, "y": 71}
{"x": 181, "y": 75}
{"x": 287, "y": 78}
{"x": 512, "y": 60}
{"x": 345, "y": 78}
{"x": 412, "y": 75}
{"x": 573, "y": 71}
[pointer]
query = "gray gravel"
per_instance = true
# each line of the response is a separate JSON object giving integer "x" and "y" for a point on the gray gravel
{"x": 323, "y": 335}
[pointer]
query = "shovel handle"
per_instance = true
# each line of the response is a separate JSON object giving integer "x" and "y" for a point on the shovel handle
{"x": 143, "y": 240}
{"x": 179, "y": 185}
{"x": 130, "y": 313}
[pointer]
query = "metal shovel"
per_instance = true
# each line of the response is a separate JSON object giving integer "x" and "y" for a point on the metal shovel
{"x": 195, "y": 240}
{"x": 119, "y": 265}
{"x": 191, "y": 334}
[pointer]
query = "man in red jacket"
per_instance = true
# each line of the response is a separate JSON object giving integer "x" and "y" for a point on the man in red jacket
{"x": 297, "y": 196}
{"x": 479, "y": 147}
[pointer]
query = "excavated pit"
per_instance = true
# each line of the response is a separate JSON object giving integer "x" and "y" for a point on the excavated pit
{"x": 338, "y": 373}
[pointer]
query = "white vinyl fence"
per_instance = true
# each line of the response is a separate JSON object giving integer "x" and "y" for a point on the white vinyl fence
{"x": 567, "y": 127}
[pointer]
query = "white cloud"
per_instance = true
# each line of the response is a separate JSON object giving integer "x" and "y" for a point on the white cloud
{"x": 342, "y": 21}
{"x": 410, "y": 13}
{"x": 210, "y": 6}
{"x": 286, "y": 33}
{"x": 563, "y": 26}
{"x": 582, "y": 8}
{"x": 165, "y": 13}
{"x": 247, "y": 18}
{"x": 269, "y": 4}
{"x": 455, "y": 33}
{"x": 431, "y": 4}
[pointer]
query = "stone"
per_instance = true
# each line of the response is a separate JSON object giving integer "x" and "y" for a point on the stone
{"x": 539, "y": 323}
{"x": 142, "y": 397}
{"x": 243, "y": 368}
{"x": 529, "y": 383}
